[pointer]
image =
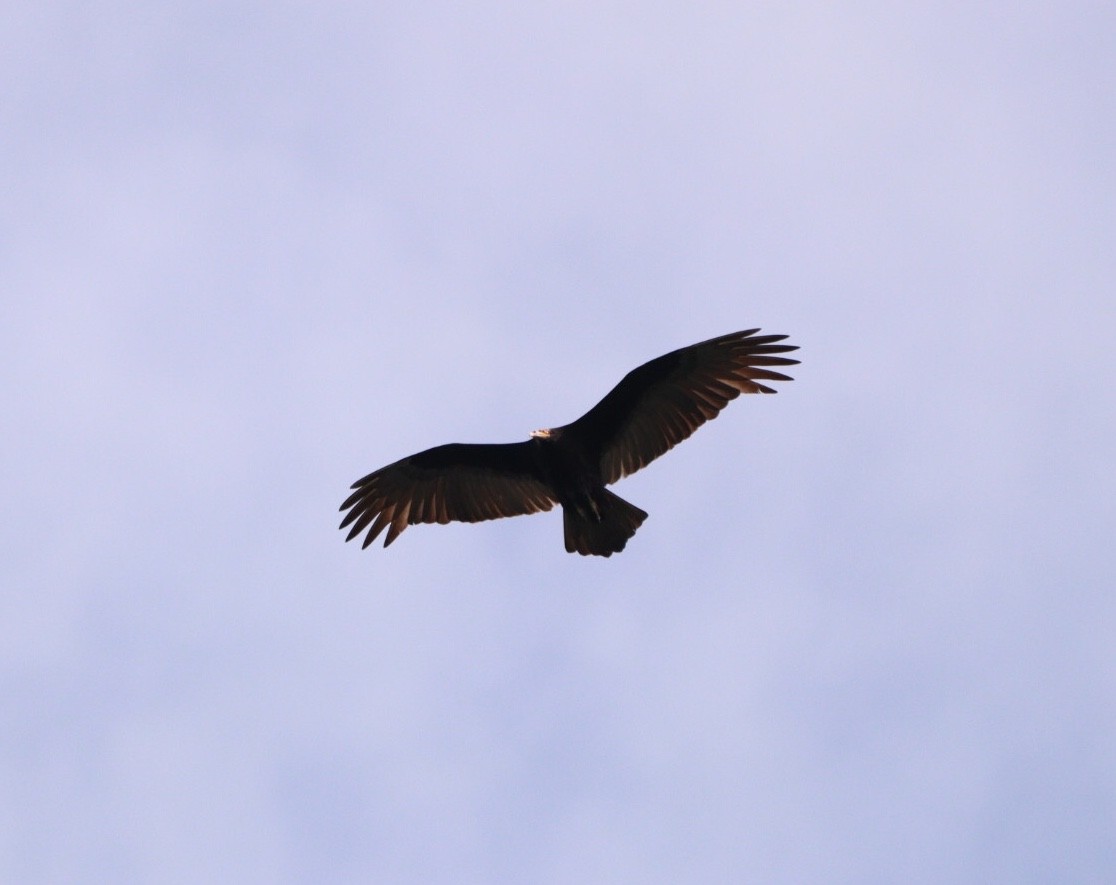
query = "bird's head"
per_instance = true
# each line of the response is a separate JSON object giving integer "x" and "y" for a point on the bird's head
{"x": 543, "y": 433}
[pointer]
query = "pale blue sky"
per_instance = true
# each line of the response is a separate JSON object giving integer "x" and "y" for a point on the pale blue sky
{"x": 250, "y": 252}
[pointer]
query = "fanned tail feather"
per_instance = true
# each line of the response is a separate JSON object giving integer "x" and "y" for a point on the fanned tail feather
{"x": 592, "y": 537}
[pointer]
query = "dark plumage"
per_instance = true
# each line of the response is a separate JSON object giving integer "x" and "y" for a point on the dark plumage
{"x": 652, "y": 409}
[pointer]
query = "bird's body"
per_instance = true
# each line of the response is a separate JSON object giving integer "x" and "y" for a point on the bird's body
{"x": 652, "y": 409}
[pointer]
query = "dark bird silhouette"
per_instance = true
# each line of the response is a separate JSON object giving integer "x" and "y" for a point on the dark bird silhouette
{"x": 651, "y": 410}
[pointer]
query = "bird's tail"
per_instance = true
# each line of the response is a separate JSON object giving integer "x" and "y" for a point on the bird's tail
{"x": 605, "y": 532}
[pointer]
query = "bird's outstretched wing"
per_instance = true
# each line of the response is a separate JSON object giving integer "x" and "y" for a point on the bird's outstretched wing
{"x": 665, "y": 400}
{"x": 456, "y": 482}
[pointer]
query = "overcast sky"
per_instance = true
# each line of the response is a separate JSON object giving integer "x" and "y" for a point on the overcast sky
{"x": 250, "y": 252}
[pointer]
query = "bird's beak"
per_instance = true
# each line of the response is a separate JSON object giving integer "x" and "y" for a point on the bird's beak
{"x": 540, "y": 434}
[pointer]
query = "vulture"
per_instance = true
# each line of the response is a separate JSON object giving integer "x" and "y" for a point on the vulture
{"x": 652, "y": 409}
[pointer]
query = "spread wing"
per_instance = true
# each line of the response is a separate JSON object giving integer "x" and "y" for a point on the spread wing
{"x": 456, "y": 482}
{"x": 662, "y": 402}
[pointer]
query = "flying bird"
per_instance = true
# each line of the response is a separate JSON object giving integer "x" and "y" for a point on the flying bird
{"x": 652, "y": 409}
